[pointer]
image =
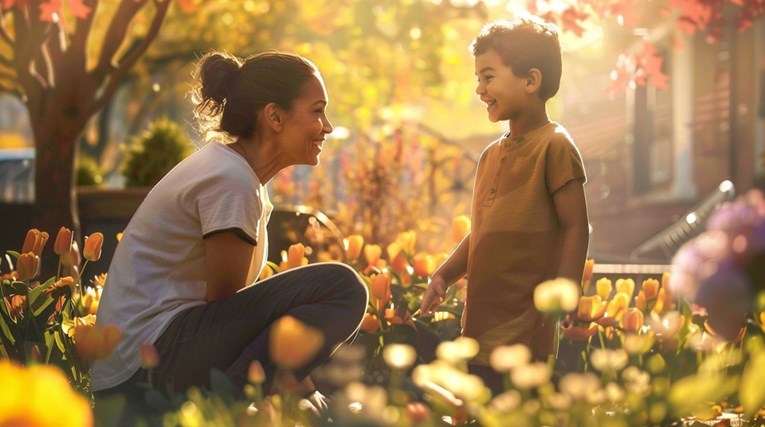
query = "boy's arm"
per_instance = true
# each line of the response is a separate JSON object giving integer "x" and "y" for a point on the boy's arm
{"x": 447, "y": 273}
{"x": 571, "y": 208}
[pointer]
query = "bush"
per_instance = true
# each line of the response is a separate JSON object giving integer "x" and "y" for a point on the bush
{"x": 153, "y": 153}
{"x": 89, "y": 172}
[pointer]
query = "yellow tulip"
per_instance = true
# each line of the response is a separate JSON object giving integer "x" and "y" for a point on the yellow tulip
{"x": 406, "y": 241}
{"x": 558, "y": 296}
{"x": 266, "y": 272}
{"x": 460, "y": 227}
{"x": 40, "y": 395}
{"x": 590, "y": 308}
{"x": 632, "y": 320}
{"x": 617, "y": 305}
{"x": 603, "y": 288}
{"x": 96, "y": 342}
{"x": 650, "y": 288}
{"x": 63, "y": 243}
{"x": 626, "y": 286}
{"x": 293, "y": 344}
{"x": 393, "y": 250}
{"x": 92, "y": 247}
{"x": 353, "y": 245}
{"x": 372, "y": 254}
{"x": 589, "y": 265}
{"x": 27, "y": 266}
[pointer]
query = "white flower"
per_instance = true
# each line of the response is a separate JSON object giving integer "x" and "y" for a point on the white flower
{"x": 507, "y": 357}
{"x": 556, "y": 296}
{"x": 531, "y": 376}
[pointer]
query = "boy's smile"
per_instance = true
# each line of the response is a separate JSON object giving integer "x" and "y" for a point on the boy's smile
{"x": 502, "y": 91}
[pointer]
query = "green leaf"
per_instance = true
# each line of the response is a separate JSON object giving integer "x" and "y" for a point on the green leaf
{"x": 39, "y": 300}
{"x": 13, "y": 254}
{"x": 6, "y": 330}
{"x": 59, "y": 341}
{"x": 109, "y": 410}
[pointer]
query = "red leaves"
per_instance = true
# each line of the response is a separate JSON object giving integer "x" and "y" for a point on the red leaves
{"x": 52, "y": 10}
{"x": 639, "y": 68}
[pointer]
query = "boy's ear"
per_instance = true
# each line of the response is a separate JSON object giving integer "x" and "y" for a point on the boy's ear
{"x": 533, "y": 81}
{"x": 272, "y": 115}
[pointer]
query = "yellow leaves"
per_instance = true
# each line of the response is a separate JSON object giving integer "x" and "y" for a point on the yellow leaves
{"x": 40, "y": 395}
{"x": 293, "y": 344}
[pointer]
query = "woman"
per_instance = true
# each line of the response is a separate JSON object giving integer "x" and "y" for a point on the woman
{"x": 183, "y": 275}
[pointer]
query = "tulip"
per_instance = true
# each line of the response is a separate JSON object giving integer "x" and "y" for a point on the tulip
{"x": 296, "y": 256}
{"x": 406, "y": 241}
{"x": 95, "y": 342}
{"x": 372, "y": 254}
{"x": 626, "y": 286}
{"x": 589, "y": 265}
{"x": 460, "y": 227}
{"x": 393, "y": 250}
{"x": 292, "y": 343}
{"x": 632, "y": 320}
{"x": 92, "y": 247}
{"x": 423, "y": 264}
{"x": 16, "y": 306}
{"x": 590, "y": 308}
{"x": 533, "y": 375}
{"x": 608, "y": 360}
{"x": 399, "y": 356}
{"x": 353, "y": 245}
{"x": 266, "y": 272}
{"x": 63, "y": 243}
{"x": 71, "y": 258}
{"x": 370, "y": 324}
{"x": 381, "y": 289}
{"x": 35, "y": 241}
{"x": 255, "y": 373}
{"x": 27, "y": 266}
{"x": 505, "y": 358}
{"x": 578, "y": 333}
{"x": 149, "y": 356}
{"x": 650, "y": 288}
{"x": 603, "y": 288}
{"x": 617, "y": 305}
{"x": 556, "y": 296}
{"x": 399, "y": 264}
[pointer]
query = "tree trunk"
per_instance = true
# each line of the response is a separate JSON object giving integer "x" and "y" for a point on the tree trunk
{"x": 56, "y": 138}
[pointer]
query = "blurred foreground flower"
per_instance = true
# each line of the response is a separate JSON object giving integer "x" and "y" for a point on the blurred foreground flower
{"x": 293, "y": 344}
{"x": 557, "y": 296}
{"x": 40, "y": 396}
{"x": 95, "y": 342}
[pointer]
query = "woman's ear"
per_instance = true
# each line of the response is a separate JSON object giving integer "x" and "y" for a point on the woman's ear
{"x": 533, "y": 81}
{"x": 272, "y": 116}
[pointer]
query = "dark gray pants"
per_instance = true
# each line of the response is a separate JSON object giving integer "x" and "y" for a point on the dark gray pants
{"x": 229, "y": 334}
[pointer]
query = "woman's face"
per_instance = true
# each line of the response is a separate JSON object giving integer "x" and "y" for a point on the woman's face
{"x": 306, "y": 125}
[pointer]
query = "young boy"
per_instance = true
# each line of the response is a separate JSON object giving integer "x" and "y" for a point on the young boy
{"x": 529, "y": 214}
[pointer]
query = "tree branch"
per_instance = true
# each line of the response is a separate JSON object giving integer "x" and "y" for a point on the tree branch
{"x": 78, "y": 47}
{"x": 5, "y": 61}
{"x": 114, "y": 78}
{"x": 118, "y": 29}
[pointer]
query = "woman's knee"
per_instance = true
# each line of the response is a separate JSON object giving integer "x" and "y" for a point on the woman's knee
{"x": 349, "y": 281}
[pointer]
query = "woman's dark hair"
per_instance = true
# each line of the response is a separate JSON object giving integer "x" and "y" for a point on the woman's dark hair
{"x": 230, "y": 90}
{"x": 525, "y": 43}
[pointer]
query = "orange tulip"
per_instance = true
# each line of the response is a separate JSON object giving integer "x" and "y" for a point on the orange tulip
{"x": 590, "y": 308}
{"x": 63, "y": 242}
{"x": 95, "y": 342}
{"x": 381, "y": 290}
{"x": 27, "y": 266}
{"x": 423, "y": 264}
{"x": 460, "y": 227}
{"x": 650, "y": 288}
{"x": 399, "y": 264}
{"x": 93, "y": 245}
{"x": 370, "y": 324}
{"x": 292, "y": 343}
{"x": 589, "y": 265}
{"x": 578, "y": 333}
{"x": 71, "y": 258}
{"x": 353, "y": 245}
{"x": 149, "y": 356}
{"x": 603, "y": 288}
{"x": 632, "y": 320}
{"x": 393, "y": 250}
{"x": 406, "y": 241}
{"x": 255, "y": 373}
{"x": 35, "y": 241}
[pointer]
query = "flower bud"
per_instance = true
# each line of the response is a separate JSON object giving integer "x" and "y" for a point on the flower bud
{"x": 255, "y": 373}
{"x": 27, "y": 266}
{"x": 353, "y": 245}
{"x": 93, "y": 245}
{"x": 149, "y": 356}
{"x": 63, "y": 242}
{"x": 603, "y": 288}
{"x": 460, "y": 227}
{"x": 292, "y": 343}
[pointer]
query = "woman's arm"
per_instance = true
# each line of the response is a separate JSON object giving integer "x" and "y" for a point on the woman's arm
{"x": 227, "y": 258}
{"x": 571, "y": 208}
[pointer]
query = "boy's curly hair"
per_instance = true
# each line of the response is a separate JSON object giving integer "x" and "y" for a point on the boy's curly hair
{"x": 525, "y": 43}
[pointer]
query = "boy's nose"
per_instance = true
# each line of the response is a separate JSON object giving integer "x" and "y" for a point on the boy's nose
{"x": 479, "y": 89}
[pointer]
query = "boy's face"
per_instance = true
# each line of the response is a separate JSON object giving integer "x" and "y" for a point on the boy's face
{"x": 503, "y": 92}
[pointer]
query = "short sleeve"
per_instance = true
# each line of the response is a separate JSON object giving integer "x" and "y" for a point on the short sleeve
{"x": 230, "y": 202}
{"x": 563, "y": 163}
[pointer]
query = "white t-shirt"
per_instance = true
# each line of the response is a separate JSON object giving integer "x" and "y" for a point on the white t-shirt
{"x": 158, "y": 268}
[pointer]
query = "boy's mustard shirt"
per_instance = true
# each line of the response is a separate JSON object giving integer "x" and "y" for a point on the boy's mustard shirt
{"x": 515, "y": 239}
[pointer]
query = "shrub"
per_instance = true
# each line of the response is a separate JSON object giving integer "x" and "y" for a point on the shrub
{"x": 153, "y": 153}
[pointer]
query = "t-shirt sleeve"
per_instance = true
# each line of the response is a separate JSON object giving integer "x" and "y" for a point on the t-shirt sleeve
{"x": 564, "y": 164}
{"x": 230, "y": 203}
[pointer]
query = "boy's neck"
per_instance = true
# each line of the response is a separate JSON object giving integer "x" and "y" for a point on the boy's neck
{"x": 528, "y": 122}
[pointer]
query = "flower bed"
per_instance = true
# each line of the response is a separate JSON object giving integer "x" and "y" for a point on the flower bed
{"x": 688, "y": 348}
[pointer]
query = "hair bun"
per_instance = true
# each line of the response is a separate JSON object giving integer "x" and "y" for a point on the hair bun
{"x": 216, "y": 72}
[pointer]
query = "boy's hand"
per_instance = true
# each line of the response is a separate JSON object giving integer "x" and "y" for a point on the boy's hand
{"x": 433, "y": 296}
